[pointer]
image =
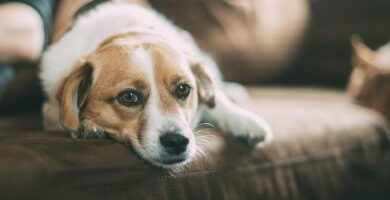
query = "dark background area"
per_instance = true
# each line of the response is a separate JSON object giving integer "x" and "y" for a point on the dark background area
{"x": 325, "y": 57}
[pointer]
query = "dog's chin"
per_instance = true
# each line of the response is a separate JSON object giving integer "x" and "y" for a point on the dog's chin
{"x": 164, "y": 161}
{"x": 169, "y": 162}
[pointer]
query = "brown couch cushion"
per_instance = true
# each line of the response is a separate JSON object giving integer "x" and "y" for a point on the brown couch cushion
{"x": 325, "y": 147}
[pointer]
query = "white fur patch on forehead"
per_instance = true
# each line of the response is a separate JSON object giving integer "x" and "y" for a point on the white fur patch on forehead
{"x": 142, "y": 58}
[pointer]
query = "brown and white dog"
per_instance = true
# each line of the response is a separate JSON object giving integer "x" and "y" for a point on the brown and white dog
{"x": 125, "y": 71}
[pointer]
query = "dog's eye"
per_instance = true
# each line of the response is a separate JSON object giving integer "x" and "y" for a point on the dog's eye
{"x": 182, "y": 91}
{"x": 129, "y": 98}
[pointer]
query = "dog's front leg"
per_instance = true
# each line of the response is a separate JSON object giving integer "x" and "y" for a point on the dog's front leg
{"x": 235, "y": 120}
{"x": 89, "y": 129}
{"x": 51, "y": 121}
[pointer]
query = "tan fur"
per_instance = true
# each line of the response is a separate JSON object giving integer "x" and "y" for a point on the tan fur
{"x": 112, "y": 39}
{"x": 369, "y": 84}
{"x": 113, "y": 72}
{"x": 67, "y": 95}
{"x": 117, "y": 73}
{"x": 145, "y": 54}
{"x": 168, "y": 74}
{"x": 206, "y": 91}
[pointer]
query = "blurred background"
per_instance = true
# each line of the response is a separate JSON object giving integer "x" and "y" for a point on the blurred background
{"x": 325, "y": 58}
{"x": 267, "y": 42}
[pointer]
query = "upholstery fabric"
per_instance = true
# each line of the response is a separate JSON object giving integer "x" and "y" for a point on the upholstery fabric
{"x": 325, "y": 147}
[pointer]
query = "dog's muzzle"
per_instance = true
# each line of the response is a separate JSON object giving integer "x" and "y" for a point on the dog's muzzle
{"x": 175, "y": 147}
{"x": 174, "y": 143}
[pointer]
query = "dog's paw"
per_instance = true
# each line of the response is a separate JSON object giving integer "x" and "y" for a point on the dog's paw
{"x": 250, "y": 129}
{"x": 89, "y": 129}
{"x": 51, "y": 120}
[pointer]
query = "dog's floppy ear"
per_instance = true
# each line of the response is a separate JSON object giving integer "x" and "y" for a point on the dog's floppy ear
{"x": 205, "y": 85}
{"x": 72, "y": 95}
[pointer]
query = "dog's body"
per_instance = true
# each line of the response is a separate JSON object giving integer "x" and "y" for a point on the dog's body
{"x": 126, "y": 71}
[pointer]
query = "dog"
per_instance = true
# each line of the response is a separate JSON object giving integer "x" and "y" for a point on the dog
{"x": 125, "y": 71}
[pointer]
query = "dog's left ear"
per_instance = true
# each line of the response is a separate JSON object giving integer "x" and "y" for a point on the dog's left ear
{"x": 205, "y": 85}
{"x": 72, "y": 95}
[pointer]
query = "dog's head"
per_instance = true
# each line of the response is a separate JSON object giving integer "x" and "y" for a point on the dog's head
{"x": 141, "y": 92}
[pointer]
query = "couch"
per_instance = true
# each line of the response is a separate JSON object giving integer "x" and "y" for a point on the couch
{"x": 325, "y": 146}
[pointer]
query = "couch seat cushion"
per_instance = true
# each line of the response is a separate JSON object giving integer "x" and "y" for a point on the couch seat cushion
{"x": 325, "y": 147}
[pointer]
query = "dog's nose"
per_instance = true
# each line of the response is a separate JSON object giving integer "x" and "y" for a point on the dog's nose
{"x": 174, "y": 143}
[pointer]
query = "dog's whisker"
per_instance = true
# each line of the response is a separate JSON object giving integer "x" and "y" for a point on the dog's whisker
{"x": 205, "y": 124}
{"x": 164, "y": 140}
{"x": 204, "y": 128}
{"x": 199, "y": 153}
{"x": 204, "y": 132}
{"x": 206, "y": 138}
{"x": 172, "y": 172}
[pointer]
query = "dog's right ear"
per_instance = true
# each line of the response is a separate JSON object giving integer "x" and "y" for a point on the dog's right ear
{"x": 363, "y": 55}
{"x": 205, "y": 85}
{"x": 72, "y": 95}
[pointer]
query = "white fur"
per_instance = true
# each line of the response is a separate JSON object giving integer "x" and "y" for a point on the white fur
{"x": 112, "y": 18}
{"x": 158, "y": 121}
{"x": 91, "y": 29}
{"x": 142, "y": 58}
